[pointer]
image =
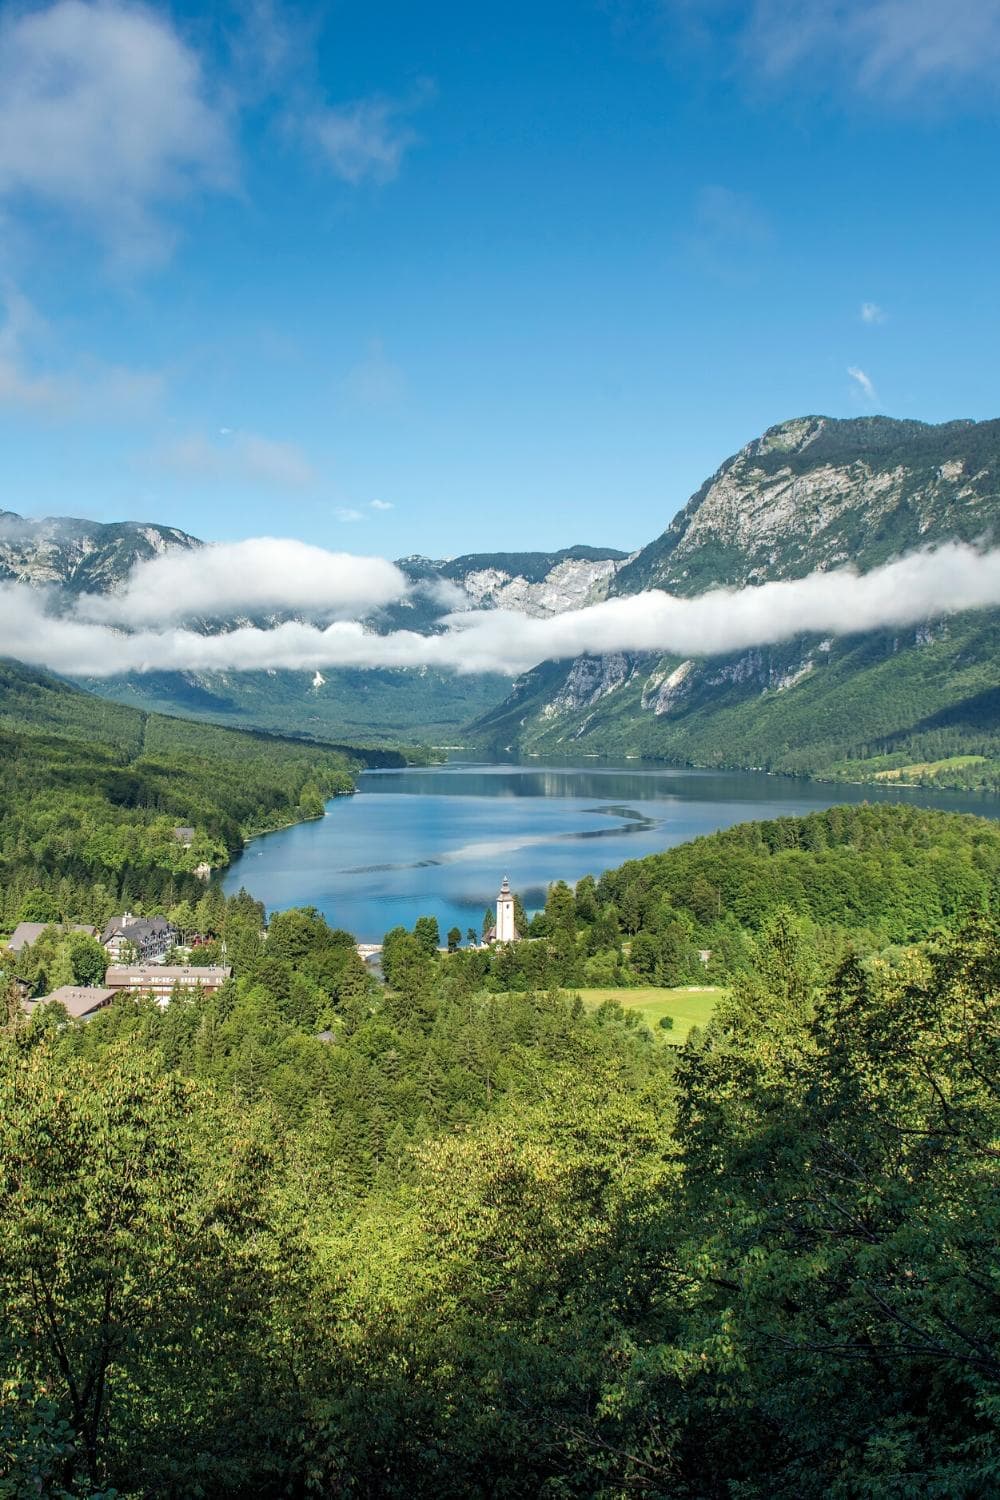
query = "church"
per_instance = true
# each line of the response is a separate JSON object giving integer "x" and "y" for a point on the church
{"x": 505, "y": 930}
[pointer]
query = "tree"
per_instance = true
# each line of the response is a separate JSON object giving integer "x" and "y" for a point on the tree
{"x": 454, "y": 939}
{"x": 183, "y": 918}
{"x": 39, "y": 906}
{"x": 427, "y": 934}
{"x": 125, "y": 1208}
{"x": 11, "y": 1009}
{"x": 311, "y": 804}
{"x": 89, "y": 961}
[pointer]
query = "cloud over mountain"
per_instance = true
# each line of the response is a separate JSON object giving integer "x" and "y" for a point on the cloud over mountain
{"x": 261, "y": 575}
{"x": 265, "y": 575}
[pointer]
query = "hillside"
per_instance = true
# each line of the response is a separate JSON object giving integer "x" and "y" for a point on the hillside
{"x": 92, "y": 790}
{"x": 811, "y": 493}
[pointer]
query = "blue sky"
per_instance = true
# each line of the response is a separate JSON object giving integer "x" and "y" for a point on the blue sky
{"x": 444, "y": 278}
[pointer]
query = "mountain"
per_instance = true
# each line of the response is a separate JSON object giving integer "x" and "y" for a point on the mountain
{"x": 80, "y": 556}
{"x": 813, "y": 493}
{"x": 387, "y": 705}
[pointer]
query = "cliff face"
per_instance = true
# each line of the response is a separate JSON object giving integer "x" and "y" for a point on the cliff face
{"x": 570, "y": 584}
{"x": 810, "y": 494}
{"x": 818, "y": 493}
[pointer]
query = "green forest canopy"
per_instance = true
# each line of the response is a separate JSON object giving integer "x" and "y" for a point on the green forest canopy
{"x": 92, "y": 792}
{"x": 310, "y": 1235}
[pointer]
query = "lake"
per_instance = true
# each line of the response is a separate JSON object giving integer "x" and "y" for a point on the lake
{"x": 437, "y": 841}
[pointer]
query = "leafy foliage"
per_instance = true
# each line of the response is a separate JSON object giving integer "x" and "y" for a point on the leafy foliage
{"x": 314, "y": 1235}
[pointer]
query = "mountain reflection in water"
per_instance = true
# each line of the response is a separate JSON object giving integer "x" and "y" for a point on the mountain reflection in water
{"x": 436, "y": 841}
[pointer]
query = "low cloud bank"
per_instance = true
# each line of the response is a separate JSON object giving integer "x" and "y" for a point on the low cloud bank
{"x": 260, "y": 575}
{"x": 922, "y": 586}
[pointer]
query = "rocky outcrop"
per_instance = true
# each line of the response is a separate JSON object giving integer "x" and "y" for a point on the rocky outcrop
{"x": 571, "y": 584}
{"x": 817, "y": 493}
{"x": 80, "y": 555}
{"x": 590, "y": 679}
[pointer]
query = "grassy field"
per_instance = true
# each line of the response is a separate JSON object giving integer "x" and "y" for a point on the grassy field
{"x": 688, "y": 1006}
{"x": 930, "y": 768}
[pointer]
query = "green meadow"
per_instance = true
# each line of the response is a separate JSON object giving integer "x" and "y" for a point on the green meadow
{"x": 688, "y": 1006}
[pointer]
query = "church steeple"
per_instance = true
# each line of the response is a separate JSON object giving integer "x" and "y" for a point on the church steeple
{"x": 506, "y": 932}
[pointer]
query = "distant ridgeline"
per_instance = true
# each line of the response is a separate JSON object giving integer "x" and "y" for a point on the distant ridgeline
{"x": 93, "y": 793}
{"x": 919, "y": 705}
{"x": 464, "y": 1236}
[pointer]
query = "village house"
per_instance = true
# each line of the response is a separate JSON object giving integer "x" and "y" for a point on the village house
{"x": 163, "y": 980}
{"x": 26, "y": 933}
{"x": 151, "y": 937}
{"x": 80, "y": 1001}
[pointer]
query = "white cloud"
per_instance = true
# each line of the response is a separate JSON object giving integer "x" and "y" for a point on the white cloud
{"x": 380, "y": 505}
{"x": 105, "y": 113}
{"x": 363, "y": 139}
{"x": 248, "y": 458}
{"x": 863, "y": 381}
{"x": 887, "y": 49}
{"x": 925, "y": 585}
{"x": 262, "y": 574}
{"x": 347, "y": 514}
{"x": 872, "y": 313}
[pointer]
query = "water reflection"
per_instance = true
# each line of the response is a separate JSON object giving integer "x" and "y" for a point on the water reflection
{"x": 437, "y": 840}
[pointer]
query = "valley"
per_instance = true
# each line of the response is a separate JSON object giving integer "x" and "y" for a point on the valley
{"x": 813, "y": 493}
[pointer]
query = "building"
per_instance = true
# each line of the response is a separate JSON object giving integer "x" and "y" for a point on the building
{"x": 163, "y": 980}
{"x": 79, "y": 1001}
{"x": 505, "y": 930}
{"x": 151, "y": 937}
{"x": 184, "y": 836}
{"x": 26, "y": 933}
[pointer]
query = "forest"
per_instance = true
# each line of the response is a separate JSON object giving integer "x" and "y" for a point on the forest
{"x": 92, "y": 793}
{"x": 457, "y": 1236}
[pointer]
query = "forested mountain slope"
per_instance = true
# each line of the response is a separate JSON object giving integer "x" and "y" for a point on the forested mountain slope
{"x": 811, "y": 493}
{"x": 91, "y": 792}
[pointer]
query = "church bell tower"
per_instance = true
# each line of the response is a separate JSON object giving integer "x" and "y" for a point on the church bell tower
{"x": 505, "y": 929}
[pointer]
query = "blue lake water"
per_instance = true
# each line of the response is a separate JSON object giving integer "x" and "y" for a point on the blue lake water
{"x": 437, "y": 841}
